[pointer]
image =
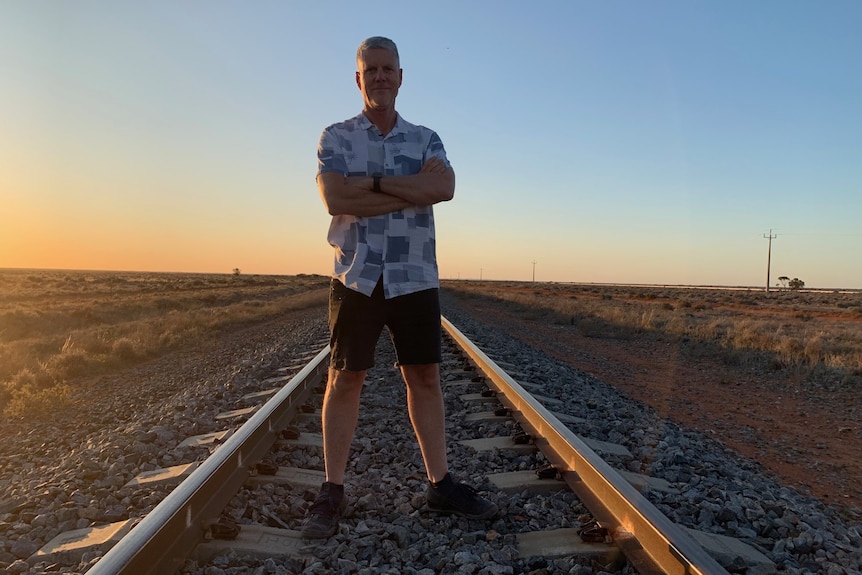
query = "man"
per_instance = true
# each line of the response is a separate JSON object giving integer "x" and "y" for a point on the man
{"x": 379, "y": 176}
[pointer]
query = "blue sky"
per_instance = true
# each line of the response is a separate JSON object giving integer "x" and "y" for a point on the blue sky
{"x": 643, "y": 142}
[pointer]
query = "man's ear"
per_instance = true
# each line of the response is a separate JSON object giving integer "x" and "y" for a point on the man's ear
{"x": 358, "y": 82}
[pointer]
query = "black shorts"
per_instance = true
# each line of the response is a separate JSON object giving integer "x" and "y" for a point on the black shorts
{"x": 356, "y": 321}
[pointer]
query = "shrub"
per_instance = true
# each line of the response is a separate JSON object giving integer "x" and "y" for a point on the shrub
{"x": 38, "y": 401}
{"x": 68, "y": 364}
{"x": 124, "y": 350}
{"x": 5, "y": 395}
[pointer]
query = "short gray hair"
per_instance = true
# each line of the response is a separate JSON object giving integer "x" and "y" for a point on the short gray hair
{"x": 378, "y": 42}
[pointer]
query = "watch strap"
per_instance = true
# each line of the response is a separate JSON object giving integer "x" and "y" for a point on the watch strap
{"x": 377, "y": 183}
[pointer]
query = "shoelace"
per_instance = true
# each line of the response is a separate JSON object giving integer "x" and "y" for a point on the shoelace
{"x": 463, "y": 490}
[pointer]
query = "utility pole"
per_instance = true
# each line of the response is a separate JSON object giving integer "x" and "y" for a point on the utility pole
{"x": 770, "y": 237}
{"x": 534, "y": 270}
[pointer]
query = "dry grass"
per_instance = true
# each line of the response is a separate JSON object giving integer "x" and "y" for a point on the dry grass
{"x": 57, "y": 327}
{"x": 818, "y": 334}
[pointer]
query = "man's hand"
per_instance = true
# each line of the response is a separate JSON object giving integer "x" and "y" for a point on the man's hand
{"x": 433, "y": 166}
{"x": 434, "y": 183}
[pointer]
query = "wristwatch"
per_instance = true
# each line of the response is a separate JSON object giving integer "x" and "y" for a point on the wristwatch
{"x": 377, "y": 183}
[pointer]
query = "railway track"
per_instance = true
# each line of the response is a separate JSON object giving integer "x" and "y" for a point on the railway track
{"x": 526, "y": 442}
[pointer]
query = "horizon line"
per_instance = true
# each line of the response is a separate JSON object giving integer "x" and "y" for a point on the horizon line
{"x": 737, "y": 287}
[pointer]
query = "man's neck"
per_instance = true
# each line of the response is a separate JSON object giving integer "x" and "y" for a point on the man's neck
{"x": 383, "y": 119}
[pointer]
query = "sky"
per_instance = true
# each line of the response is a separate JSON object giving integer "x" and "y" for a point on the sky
{"x": 656, "y": 142}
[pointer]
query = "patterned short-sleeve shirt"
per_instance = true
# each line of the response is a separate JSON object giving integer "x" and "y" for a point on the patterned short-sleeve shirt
{"x": 399, "y": 245}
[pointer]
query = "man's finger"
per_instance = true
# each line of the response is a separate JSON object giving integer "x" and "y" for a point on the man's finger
{"x": 433, "y": 165}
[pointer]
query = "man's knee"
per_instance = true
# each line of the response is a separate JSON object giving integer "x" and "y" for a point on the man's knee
{"x": 424, "y": 375}
{"x": 345, "y": 380}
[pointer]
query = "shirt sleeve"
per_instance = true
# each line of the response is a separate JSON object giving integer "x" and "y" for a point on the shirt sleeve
{"x": 435, "y": 149}
{"x": 330, "y": 155}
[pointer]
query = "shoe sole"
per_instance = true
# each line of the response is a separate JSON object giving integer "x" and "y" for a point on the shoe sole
{"x": 486, "y": 515}
{"x": 312, "y": 534}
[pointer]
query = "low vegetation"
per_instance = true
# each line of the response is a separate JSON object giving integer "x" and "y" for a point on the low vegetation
{"x": 817, "y": 334}
{"x": 57, "y": 327}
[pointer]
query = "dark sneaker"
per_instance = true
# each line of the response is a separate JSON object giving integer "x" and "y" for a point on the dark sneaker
{"x": 323, "y": 515}
{"x": 461, "y": 499}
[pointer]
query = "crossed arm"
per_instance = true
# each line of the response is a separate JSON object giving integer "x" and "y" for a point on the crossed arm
{"x": 354, "y": 195}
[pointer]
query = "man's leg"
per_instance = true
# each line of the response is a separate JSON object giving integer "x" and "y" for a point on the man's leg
{"x": 428, "y": 415}
{"x": 340, "y": 413}
{"x": 354, "y": 328}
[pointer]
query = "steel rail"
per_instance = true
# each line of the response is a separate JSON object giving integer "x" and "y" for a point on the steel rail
{"x": 652, "y": 542}
{"x": 159, "y": 543}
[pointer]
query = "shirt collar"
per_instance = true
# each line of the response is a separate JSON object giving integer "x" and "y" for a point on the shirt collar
{"x": 367, "y": 124}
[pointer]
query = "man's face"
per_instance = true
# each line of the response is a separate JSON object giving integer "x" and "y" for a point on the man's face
{"x": 378, "y": 78}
